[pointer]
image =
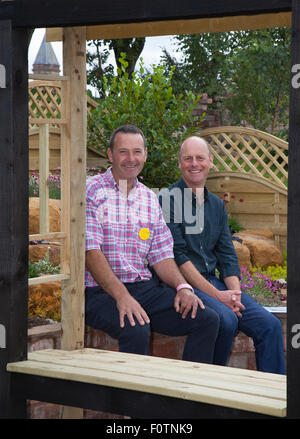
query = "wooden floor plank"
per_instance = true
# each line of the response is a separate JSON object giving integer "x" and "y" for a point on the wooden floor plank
{"x": 197, "y": 376}
{"x": 193, "y": 392}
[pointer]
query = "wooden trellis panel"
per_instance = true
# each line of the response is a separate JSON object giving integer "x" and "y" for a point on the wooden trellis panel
{"x": 249, "y": 150}
{"x": 44, "y": 108}
{"x": 253, "y": 166}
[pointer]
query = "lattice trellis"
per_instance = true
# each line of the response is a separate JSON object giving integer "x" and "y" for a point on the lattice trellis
{"x": 45, "y": 102}
{"x": 249, "y": 150}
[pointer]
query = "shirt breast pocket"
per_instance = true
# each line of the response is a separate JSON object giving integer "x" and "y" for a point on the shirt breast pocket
{"x": 143, "y": 238}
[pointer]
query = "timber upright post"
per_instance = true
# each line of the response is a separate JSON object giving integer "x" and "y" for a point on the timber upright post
{"x": 14, "y": 209}
{"x": 293, "y": 281}
{"x": 73, "y": 168}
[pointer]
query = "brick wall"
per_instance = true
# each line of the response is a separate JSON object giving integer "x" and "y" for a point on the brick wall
{"x": 48, "y": 337}
{"x": 211, "y": 118}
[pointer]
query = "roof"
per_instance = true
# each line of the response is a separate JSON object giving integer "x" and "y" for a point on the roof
{"x": 46, "y": 55}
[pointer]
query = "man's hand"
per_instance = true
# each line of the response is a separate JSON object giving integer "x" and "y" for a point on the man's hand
{"x": 186, "y": 301}
{"x": 127, "y": 305}
{"x": 232, "y": 299}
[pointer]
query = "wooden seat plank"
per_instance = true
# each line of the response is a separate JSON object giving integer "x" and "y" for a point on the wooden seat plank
{"x": 203, "y": 377}
{"x": 128, "y": 371}
{"x": 105, "y": 355}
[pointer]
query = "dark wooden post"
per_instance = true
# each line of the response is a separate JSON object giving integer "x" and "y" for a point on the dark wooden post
{"x": 13, "y": 209}
{"x": 293, "y": 319}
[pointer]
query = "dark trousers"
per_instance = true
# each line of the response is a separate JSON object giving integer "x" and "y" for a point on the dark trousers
{"x": 256, "y": 322}
{"x": 157, "y": 299}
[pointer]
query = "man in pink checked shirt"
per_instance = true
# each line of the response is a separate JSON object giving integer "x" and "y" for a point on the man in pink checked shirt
{"x": 133, "y": 285}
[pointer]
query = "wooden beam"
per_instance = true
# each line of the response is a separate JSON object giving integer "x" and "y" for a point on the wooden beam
{"x": 44, "y": 177}
{"x": 179, "y": 27}
{"x": 293, "y": 241}
{"x": 14, "y": 211}
{"x": 74, "y": 168}
{"x": 73, "y": 165}
{"x": 42, "y": 13}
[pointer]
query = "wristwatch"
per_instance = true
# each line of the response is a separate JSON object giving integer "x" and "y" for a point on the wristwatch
{"x": 181, "y": 286}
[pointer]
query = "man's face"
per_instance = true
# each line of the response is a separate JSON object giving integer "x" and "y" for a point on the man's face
{"x": 128, "y": 156}
{"x": 195, "y": 162}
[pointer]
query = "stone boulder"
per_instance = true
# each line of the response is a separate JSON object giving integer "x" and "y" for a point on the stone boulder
{"x": 38, "y": 252}
{"x": 243, "y": 254}
{"x": 263, "y": 251}
{"x": 265, "y": 233}
{"x": 34, "y": 215}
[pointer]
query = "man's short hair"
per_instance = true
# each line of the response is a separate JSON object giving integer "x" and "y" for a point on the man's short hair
{"x": 201, "y": 138}
{"x": 126, "y": 129}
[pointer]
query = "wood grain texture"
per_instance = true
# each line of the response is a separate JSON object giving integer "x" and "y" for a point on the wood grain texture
{"x": 229, "y": 387}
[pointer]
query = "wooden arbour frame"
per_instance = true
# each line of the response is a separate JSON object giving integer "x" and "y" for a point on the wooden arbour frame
{"x": 17, "y": 18}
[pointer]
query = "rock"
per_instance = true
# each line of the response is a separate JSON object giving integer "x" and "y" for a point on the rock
{"x": 38, "y": 252}
{"x": 243, "y": 254}
{"x": 34, "y": 215}
{"x": 263, "y": 251}
{"x": 266, "y": 233}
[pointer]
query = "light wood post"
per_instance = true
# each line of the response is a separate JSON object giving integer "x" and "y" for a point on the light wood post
{"x": 44, "y": 177}
{"x": 73, "y": 192}
{"x": 74, "y": 61}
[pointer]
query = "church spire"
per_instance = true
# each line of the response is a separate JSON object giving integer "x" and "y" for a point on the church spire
{"x": 46, "y": 61}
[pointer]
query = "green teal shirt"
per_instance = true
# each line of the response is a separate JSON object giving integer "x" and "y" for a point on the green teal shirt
{"x": 201, "y": 234}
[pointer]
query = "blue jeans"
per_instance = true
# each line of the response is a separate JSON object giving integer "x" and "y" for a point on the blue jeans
{"x": 256, "y": 322}
{"x": 157, "y": 299}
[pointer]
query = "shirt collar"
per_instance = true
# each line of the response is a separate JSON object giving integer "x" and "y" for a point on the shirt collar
{"x": 182, "y": 184}
{"x": 112, "y": 182}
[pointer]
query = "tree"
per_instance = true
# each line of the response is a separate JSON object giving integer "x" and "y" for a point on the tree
{"x": 97, "y": 59}
{"x": 202, "y": 66}
{"x": 146, "y": 100}
{"x": 245, "y": 72}
{"x": 258, "y": 82}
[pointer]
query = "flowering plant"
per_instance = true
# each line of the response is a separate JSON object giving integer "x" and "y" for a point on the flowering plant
{"x": 54, "y": 182}
{"x": 262, "y": 288}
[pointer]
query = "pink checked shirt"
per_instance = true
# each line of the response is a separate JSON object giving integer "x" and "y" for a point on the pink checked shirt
{"x": 119, "y": 226}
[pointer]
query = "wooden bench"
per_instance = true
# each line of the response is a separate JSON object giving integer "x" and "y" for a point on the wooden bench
{"x": 147, "y": 387}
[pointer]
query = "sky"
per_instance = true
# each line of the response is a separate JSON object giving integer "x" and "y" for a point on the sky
{"x": 151, "y": 52}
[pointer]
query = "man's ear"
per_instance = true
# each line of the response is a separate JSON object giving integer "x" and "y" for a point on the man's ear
{"x": 109, "y": 155}
{"x": 146, "y": 153}
{"x": 211, "y": 161}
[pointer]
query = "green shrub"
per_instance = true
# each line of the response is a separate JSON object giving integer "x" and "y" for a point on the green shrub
{"x": 147, "y": 101}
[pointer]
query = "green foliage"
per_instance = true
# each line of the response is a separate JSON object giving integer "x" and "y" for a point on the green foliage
{"x": 33, "y": 270}
{"x": 36, "y": 269}
{"x": 234, "y": 225}
{"x": 245, "y": 72}
{"x": 274, "y": 272}
{"x": 202, "y": 66}
{"x": 258, "y": 80}
{"x": 147, "y": 101}
{"x": 98, "y": 59}
{"x": 262, "y": 288}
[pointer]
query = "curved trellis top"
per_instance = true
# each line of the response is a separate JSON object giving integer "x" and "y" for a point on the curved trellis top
{"x": 249, "y": 150}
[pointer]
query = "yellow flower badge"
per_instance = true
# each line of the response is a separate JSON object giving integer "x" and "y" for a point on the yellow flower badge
{"x": 144, "y": 233}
